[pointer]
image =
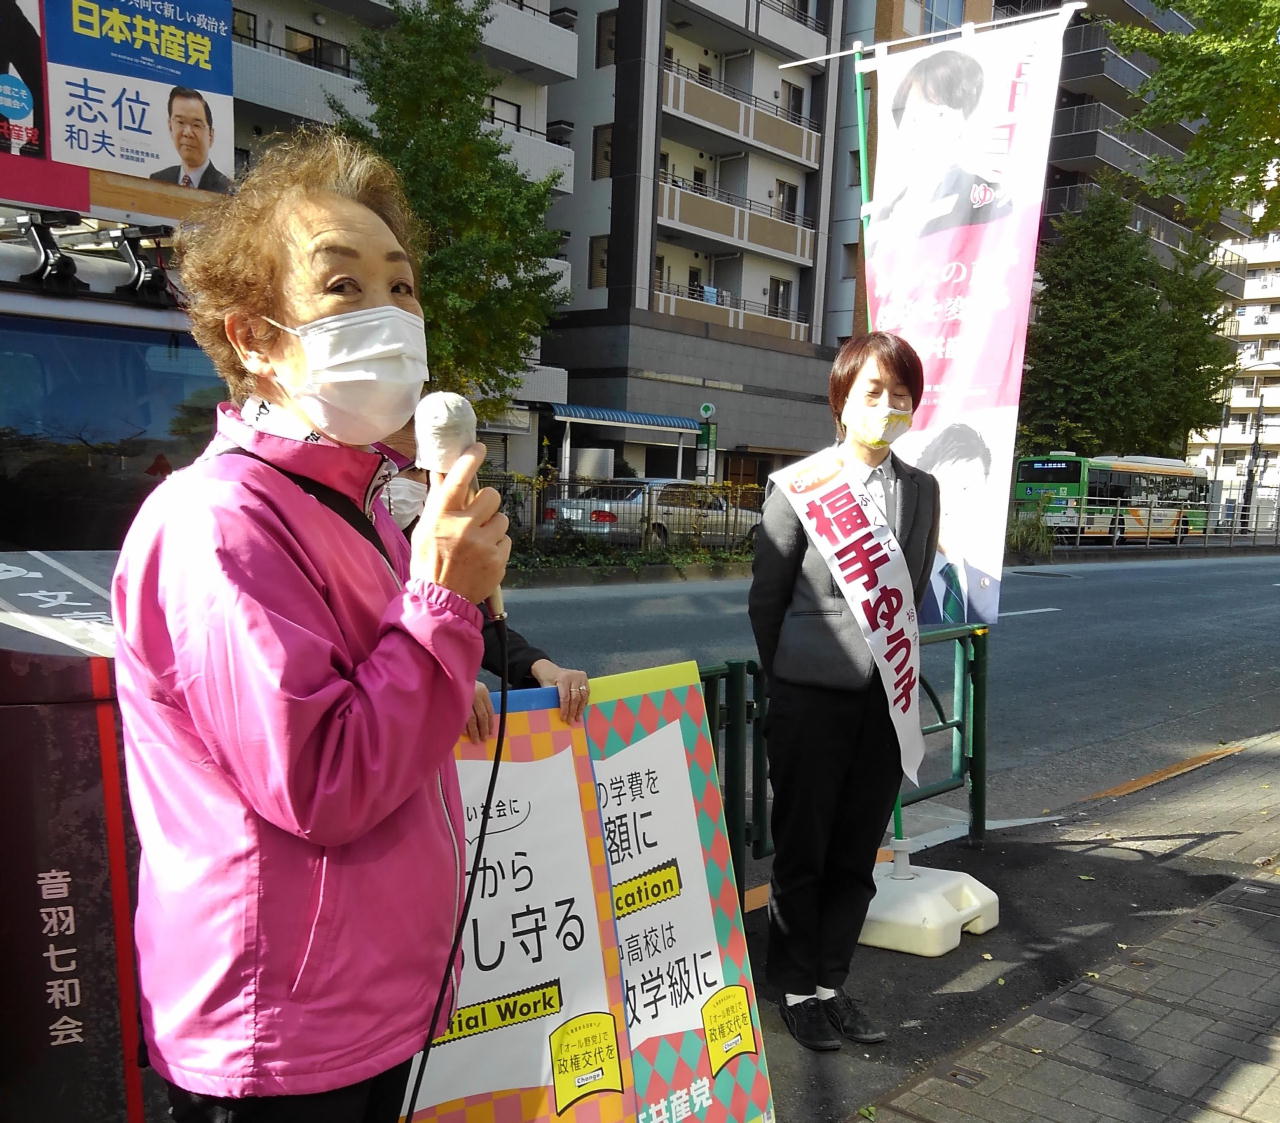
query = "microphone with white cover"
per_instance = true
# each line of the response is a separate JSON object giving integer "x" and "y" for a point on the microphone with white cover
{"x": 444, "y": 426}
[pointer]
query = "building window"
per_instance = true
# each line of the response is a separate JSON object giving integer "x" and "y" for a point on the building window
{"x": 664, "y": 163}
{"x": 659, "y": 268}
{"x": 704, "y": 74}
{"x": 793, "y": 100}
{"x": 323, "y": 54}
{"x": 850, "y": 260}
{"x": 602, "y": 152}
{"x": 598, "y": 267}
{"x": 244, "y": 26}
{"x": 855, "y": 169}
{"x": 243, "y": 161}
{"x": 942, "y": 15}
{"x": 787, "y": 196}
{"x": 606, "y": 31}
{"x": 780, "y": 297}
{"x": 695, "y": 283}
{"x": 504, "y": 112}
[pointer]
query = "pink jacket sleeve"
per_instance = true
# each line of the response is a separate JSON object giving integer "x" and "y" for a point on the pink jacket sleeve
{"x": 324, "y": 717}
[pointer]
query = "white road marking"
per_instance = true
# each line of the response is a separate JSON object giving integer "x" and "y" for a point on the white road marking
{"x": 79, "y": 578}
{"x": 1028, "y": 612}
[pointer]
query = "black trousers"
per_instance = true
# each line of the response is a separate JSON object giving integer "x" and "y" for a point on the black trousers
{"x": 376, "y": 1100}
{"x": 835, "y": 771}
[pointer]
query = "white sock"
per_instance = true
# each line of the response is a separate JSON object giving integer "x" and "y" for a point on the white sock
{"x": 825, "y": 993}
{"x": 796, "y": 999}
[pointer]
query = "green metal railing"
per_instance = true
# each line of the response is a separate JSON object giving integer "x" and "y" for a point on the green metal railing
{"x": 735, "y": 697}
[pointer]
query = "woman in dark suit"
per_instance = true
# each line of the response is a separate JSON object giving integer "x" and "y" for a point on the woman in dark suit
{"x": 834, "y": 763}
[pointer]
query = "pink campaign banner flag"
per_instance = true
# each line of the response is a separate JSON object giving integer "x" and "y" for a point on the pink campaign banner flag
{"x": 963, "y": 138}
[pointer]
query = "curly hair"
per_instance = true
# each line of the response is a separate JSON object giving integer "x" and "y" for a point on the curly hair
{"x": 229, "y": 252}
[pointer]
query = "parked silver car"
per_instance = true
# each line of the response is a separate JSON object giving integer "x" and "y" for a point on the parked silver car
{"x": 649, "y": 512}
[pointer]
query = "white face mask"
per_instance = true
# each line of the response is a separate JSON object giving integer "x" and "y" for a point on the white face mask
{"x": 406, "y": 498}
{"x": 365, "y": 372}
{"x": 876, "y": 426}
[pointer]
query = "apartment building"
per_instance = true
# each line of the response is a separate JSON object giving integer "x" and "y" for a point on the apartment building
{"x": 1093, "y": 134}
{"x": 697, "y": 232}
{"x": 1252, "y": 407}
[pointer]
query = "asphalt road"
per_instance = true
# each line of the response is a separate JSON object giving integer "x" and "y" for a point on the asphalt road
{"x": 1099, "y": 672}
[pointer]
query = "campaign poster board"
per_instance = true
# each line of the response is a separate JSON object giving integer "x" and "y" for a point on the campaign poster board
{"x": 112, "y": 68}
{"x": 605, "y": 960}
{"x": 963, "y": 132}
{"x": 23, "y": 131}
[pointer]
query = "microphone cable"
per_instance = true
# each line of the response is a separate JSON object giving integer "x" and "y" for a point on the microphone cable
{"x": 499, "y": 622}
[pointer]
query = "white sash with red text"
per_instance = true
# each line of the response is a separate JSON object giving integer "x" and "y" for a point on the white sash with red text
{"x": 849, "y": 530}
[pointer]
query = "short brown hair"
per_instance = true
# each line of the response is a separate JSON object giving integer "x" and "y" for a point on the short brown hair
{"x": 228, "y": 250}
{"x": 893, "y": 354}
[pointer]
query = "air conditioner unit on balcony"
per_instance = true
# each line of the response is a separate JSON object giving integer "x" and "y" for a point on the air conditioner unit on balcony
{"x": 1261, "y": 320}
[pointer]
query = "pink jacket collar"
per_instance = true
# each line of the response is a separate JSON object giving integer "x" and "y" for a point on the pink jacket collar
{"x": 352, "y": 471}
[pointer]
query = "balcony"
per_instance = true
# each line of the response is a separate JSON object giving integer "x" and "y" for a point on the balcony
{"x": 790, "y": 27}
{"x": 268, "y": 76}
{"x": 715, "y": 306}
{"x": 1085, "y": 136}
{"x": 1091, "y": 64}
{"x": 734, "y": 221}
{"x": 522, "y": 38}
{"x": 1165, "y": 234}
{"x": 1142, "y": 11}
{"x": 739, "y": 116}
{"x": 536, "y": 156}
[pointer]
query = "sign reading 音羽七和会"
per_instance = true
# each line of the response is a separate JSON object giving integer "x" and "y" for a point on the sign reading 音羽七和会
{"x": 143, "y": 87}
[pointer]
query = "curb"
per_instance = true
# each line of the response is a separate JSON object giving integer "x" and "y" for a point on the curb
{"x": 1158, "y": 551}
{"x": 579, "y": 575}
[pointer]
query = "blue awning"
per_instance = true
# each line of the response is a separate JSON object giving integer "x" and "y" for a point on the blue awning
{"x": 598, "y": 415}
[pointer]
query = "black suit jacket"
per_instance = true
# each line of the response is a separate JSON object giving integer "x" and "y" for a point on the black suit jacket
{"x": 805, "y": 631}
{"x": 212, "y": 180}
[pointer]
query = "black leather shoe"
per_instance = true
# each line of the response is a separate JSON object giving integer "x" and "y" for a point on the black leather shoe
{"x": 809, "y": 1025}
{"x": 850, "y": 1021}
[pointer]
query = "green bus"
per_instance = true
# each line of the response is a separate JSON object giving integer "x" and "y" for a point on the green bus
{"x": 1113, "y": 498}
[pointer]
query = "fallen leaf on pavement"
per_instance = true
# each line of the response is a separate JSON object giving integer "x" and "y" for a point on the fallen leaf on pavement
{"x": 1092, "y": 975}
{"x": 1085, "y": 877}
{"x": 867, "y": 1112}
{"x": 986, "y": 955}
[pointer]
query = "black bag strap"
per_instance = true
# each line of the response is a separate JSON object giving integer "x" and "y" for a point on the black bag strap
{"x": 341, "y": 505}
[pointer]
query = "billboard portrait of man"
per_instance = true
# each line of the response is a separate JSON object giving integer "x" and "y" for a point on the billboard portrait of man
{"x": 191, "y": 129}
{"x": 933, "y": 108}
{"x": 959, "y": 592}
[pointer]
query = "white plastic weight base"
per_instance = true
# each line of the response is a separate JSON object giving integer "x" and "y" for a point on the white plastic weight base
{"x": 923, "y": 911}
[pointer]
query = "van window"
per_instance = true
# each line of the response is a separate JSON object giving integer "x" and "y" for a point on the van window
{"x": 92, "y": 418}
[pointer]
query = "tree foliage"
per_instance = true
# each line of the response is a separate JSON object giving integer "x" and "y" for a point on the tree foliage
{"x": 485, "y": 287}
{"x": 1124, "y": 356}
{"x": 1225, "y": 73}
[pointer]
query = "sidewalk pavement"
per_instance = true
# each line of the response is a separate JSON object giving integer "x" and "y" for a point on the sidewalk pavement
{"x": 1134, "y": 976}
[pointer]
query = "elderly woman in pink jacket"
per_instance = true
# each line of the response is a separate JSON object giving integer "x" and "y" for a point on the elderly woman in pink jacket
{"x": 293, "y": 673}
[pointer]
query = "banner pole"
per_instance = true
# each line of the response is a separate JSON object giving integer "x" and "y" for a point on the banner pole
{"x": 864, "y": 175}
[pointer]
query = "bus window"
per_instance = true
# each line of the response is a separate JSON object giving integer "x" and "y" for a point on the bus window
{"x": 1099, "y": 484}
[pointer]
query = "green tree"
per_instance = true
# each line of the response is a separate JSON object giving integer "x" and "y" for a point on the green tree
{"x": 485, "y": 287}
{"x": 1225, "y": 73}
{"x": 1099, "y": 347}
{"x": 1202, "y": 360}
